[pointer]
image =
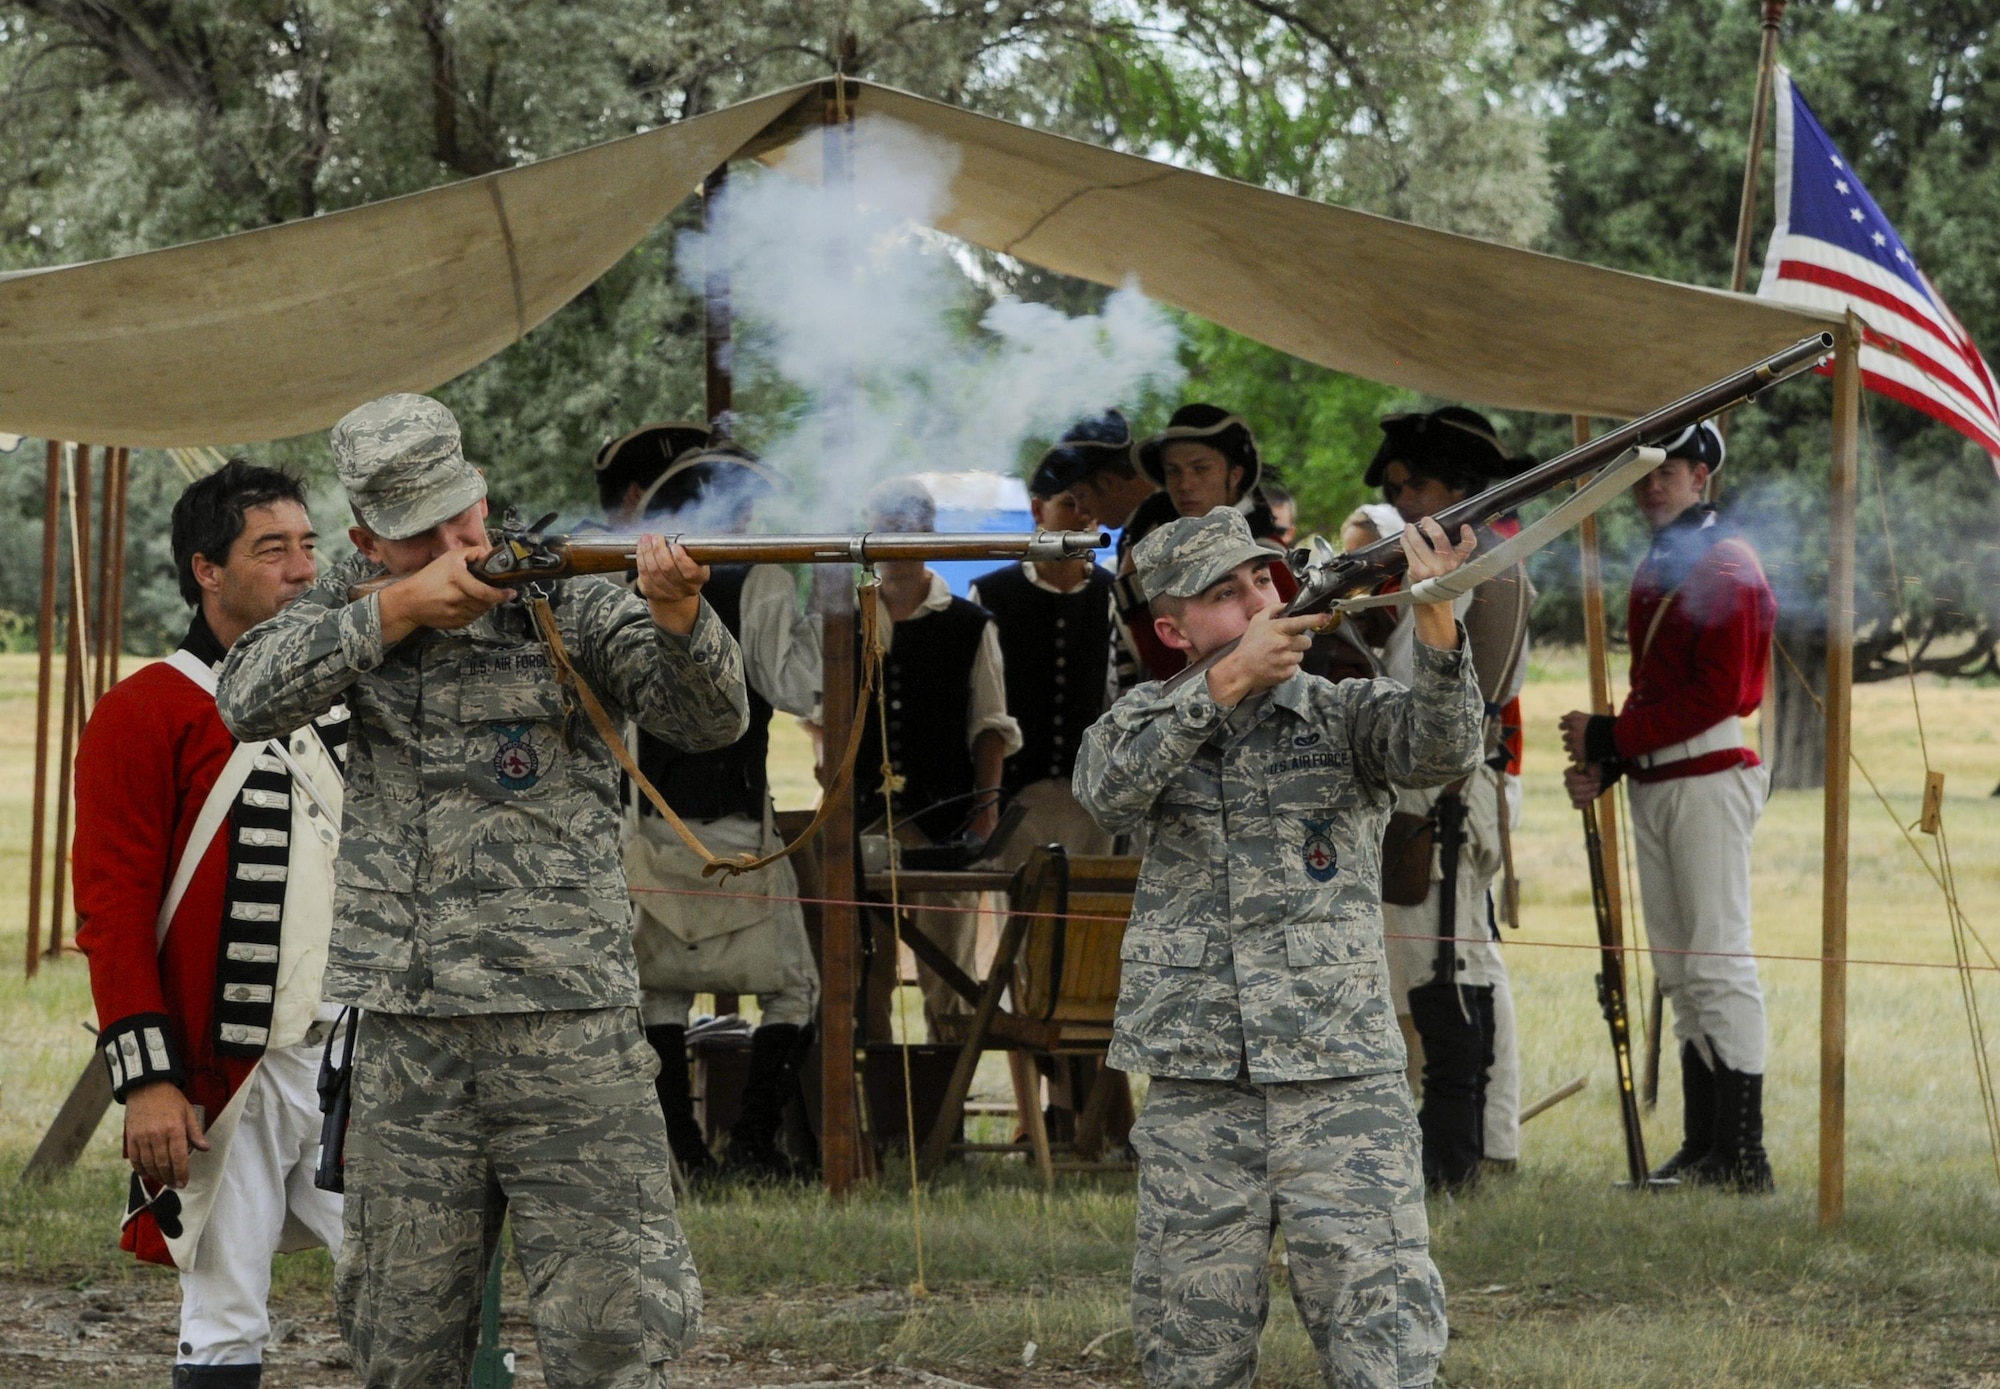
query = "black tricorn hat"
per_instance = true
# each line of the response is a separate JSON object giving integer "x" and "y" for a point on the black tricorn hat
{"x": 1221, "y": 430}
{"x": 1085, "y": 447}
{"x": 642, "y": 455}
{"x": 1453, "y": 444}
{"x": 1698, "y": 443}
{"x": 722, "y": 470}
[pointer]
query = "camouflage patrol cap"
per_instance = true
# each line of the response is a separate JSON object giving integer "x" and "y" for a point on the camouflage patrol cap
{"x": 1187, "y": 556}
{"x": 399, "y": 459}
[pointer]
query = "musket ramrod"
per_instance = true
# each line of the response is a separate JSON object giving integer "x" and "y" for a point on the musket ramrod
{"x": 1327, "y": 576}
{"x": 524, "y": 555}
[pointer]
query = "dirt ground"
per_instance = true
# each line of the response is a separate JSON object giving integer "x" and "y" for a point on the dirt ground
{"x": 55, "y": 1337}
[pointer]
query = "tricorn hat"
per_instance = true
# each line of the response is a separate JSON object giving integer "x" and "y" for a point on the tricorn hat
{"x": 710, "y": 472}
{"x": 1698, "y": 443}
{"x": 642, "y": 455}
{"x": 1453, "y": 444}
{"x": 1084, "y": 448}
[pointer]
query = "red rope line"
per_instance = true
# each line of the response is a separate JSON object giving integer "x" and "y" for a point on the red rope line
{"x": 878, "y": 905}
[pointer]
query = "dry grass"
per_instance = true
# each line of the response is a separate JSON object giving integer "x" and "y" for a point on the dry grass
{"x": 1555, "y": 1279}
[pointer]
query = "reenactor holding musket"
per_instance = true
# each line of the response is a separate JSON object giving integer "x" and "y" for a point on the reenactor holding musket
{"x": 1699, "y": 626}
{"x": 1444, "y": 947}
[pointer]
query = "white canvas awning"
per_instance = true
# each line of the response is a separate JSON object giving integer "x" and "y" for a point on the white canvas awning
{"x": 279, "y": 331}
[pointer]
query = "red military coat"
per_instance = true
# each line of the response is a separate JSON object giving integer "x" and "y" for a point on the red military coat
{"x": 1699, "y": 622}
{"x": 144, "y": 767}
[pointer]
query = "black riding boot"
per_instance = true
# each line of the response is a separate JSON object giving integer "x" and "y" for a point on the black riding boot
{"x": 684, "y": 1134}
{"x": 1737, "y": 1162}
{"x": 1456, "y": 1024}
{"x": 218, "y": 1376}
{"x": 1697, "y": 1116}
{"x": 776, "y": 1049}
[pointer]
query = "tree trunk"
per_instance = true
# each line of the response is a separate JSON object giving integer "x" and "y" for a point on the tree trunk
{"x": 1794, "y": 727}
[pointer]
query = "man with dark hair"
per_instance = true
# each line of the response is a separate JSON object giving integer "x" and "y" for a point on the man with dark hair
{"x": 1110, "y": 489}
{"x": 1445, "y": 963}
{"x": 1284, "y": 512}
{"x": 693, "y": 934}
{"x": 1699, "y": 626}
{"x": 484, "y": 923}
{"x": 204, "y": 878}
{"x": 1057, "y": 630}
{"x": 1207, "y": 457}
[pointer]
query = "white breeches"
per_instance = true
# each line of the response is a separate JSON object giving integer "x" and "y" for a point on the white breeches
{"x": 1692, "y": 839}
{"x": 267, "y": 1174}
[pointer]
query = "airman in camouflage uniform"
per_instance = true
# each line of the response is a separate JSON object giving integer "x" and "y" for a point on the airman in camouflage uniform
{"x": 1254, "y": 990}
{"x": 482, "y": 923}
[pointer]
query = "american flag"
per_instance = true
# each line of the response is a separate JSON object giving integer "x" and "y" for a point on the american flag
{"x": 1833, "y": 249}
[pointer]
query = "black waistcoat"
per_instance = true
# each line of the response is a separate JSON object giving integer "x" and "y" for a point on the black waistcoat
{"x": 725, "y": 781}
{"x": 1055, "y": 647}
{"x": 927, "y": 685}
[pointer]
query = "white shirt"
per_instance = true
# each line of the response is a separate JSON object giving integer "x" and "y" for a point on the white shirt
{"x": 987, "y": 709}
{"x": 781, "y": 653}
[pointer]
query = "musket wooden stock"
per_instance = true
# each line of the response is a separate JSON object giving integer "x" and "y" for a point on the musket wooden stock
{"x": 1367, "y": 568}
{"x": 524, "y": 558}
{"x": 1612, "y": 1000}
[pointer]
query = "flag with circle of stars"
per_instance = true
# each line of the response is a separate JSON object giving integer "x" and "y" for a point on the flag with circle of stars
{"x": 1834, "y": 249}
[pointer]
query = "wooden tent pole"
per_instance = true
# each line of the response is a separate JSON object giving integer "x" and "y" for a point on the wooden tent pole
{"x": 840, "y": 1128}
{"x": 100, "y": 598}
{"x": 1597, "y": 647}
{"x": 73, "y": 680}
{"x": 45, "y": 645}
{"x": 1839, "y": 735}
{"x": 716, "y": 320}
{"x": 113, "y": 638}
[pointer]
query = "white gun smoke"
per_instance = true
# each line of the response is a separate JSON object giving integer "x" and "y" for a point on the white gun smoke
{"x": 847, "y": 304}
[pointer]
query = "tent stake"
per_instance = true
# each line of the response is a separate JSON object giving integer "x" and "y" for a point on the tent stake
{"x": 1839, "y": 733}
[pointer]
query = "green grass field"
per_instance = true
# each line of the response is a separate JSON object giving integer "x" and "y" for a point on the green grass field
{"x": 1556, "y": 1281}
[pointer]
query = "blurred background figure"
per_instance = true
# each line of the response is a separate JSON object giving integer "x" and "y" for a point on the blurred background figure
{"x": 690, "y": 936}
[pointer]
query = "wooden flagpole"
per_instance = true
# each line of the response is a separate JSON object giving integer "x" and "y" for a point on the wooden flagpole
{"x": 1772, "y": 16}
{"x": 1839, "y": 733}
{"x": 45, "y": 645}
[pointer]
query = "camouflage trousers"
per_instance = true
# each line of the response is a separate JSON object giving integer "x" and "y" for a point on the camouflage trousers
{"x": 550, "y": 1118}
{"x": 1333, "y": 1164}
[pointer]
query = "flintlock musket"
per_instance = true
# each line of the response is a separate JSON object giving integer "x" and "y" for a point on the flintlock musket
{"x": 525, "y": 555}
{"x": 1326, "y": 576}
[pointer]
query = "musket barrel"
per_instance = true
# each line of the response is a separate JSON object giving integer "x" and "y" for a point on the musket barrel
{"x": 520, "y": 559}
{"x": 605, "y": 553}
{"x": 1369, "y": 566}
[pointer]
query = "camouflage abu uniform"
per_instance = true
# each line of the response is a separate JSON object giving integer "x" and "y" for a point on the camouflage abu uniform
{"x": 482, "y": 922}
{"x": 1256, "y": 995}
